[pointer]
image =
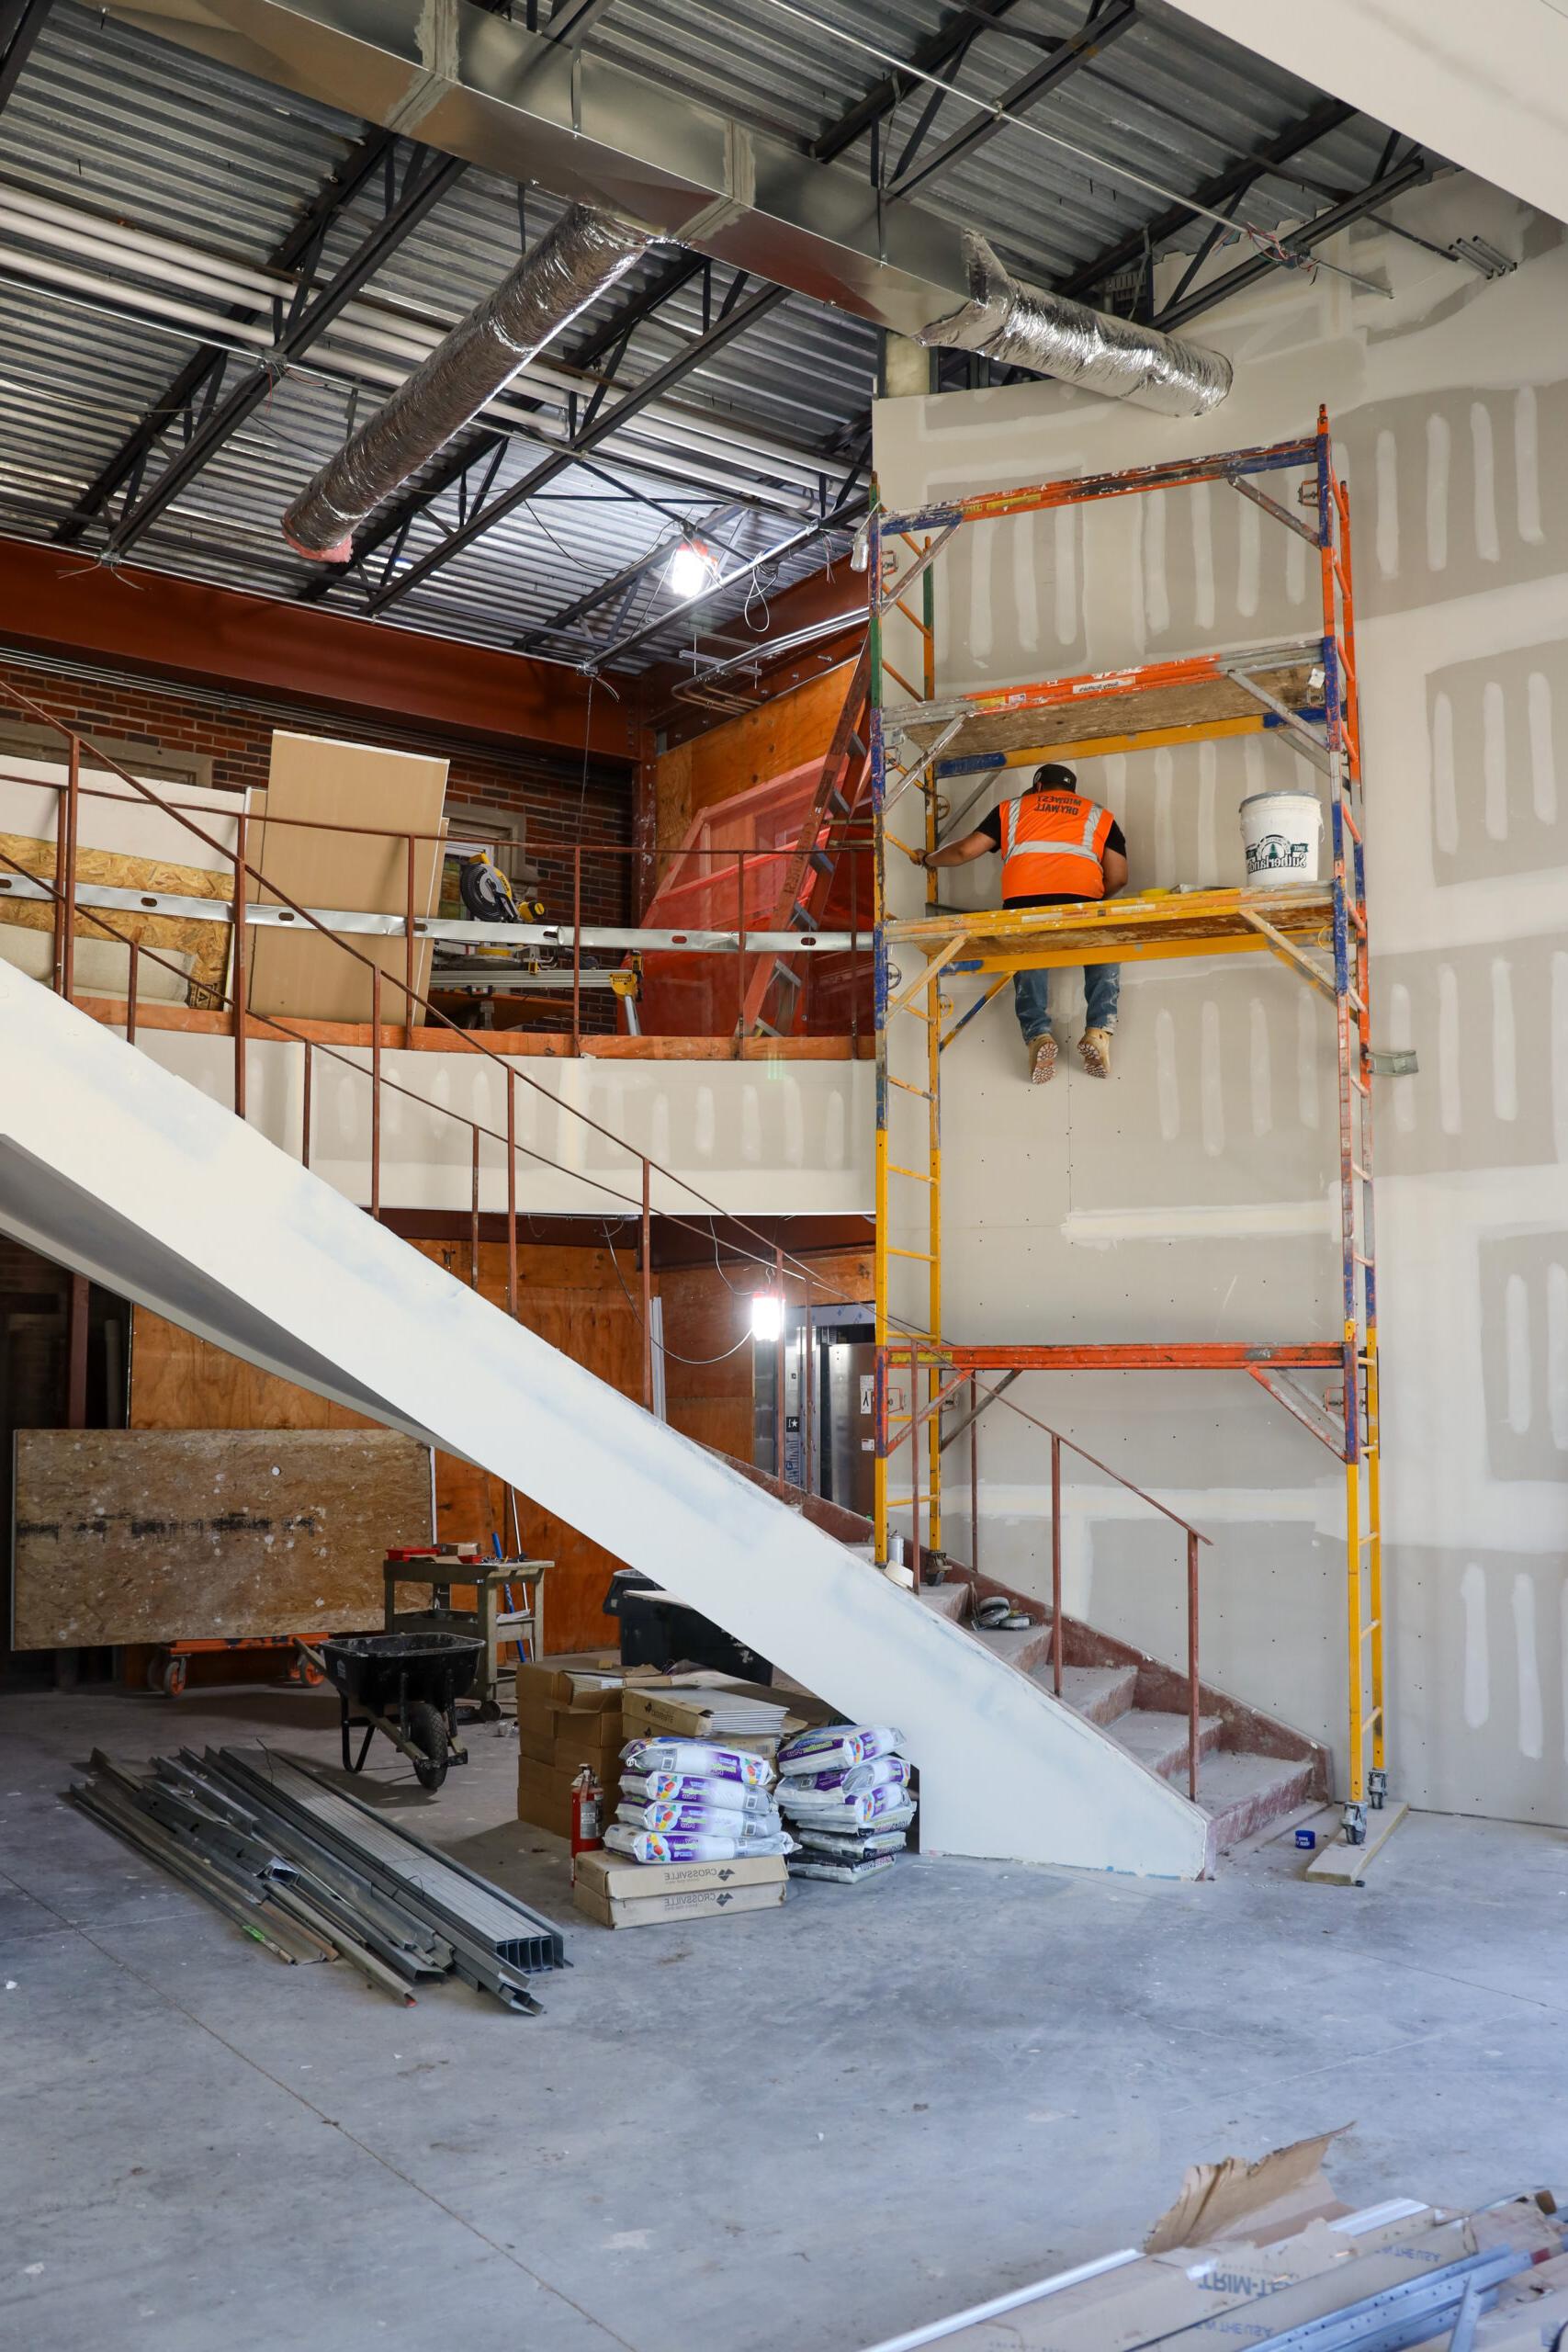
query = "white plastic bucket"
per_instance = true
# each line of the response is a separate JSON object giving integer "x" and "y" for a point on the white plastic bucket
{"x": 1282, "y": 835}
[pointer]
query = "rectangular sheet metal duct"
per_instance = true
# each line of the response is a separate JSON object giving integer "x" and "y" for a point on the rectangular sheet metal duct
{"x": 533, "y": 110}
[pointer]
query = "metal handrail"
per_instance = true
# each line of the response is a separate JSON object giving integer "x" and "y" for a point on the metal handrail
{"x": 914, "y": 1420}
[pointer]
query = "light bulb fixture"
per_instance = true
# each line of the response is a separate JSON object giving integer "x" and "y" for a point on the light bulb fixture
{"x": 767, "y": 1314}
{"x": 860, "y": 547}
{"x": 692, "y": 568}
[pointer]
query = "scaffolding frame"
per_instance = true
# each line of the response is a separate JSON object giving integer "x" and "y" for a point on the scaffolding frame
{"x": 921, "y": 744}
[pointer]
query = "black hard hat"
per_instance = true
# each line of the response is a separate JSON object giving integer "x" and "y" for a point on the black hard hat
{"x": 1054, "y": 777}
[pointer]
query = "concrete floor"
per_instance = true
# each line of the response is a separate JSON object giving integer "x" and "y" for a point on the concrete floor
{"x": 803, "y": 2130}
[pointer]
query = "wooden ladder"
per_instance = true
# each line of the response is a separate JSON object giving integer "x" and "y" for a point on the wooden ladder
{"x": 773, "y": 994}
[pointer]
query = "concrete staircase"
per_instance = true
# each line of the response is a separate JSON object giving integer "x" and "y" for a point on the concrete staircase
{"x": 1253, "y": 1771}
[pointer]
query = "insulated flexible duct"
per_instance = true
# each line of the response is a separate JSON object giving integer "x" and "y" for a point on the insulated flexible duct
{"x": 1024, "y": 326}
{"x": 569, "y": 268}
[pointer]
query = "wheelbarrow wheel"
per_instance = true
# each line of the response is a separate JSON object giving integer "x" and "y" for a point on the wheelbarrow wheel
{"x": 427, "y": 1731}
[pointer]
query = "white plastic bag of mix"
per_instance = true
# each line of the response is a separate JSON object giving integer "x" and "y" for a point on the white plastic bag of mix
{"x": 831, "y": 1745}
{"x": 683, "y": 1845}
{"x": 700, "y": 1757}
{"x": 695, "y": 1788}
{"x": 881, "y": 1772}
{"x": 747, "y": 1827}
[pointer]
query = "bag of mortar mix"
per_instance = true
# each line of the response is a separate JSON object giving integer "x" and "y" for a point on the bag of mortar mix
{"x": 881, "y": 1772}
{"x": 844, "y": 1873}
{"x": 829, "y": 1745}
{"x": 685, "y": 1846}
{"x": 694, "y": 1788}
{"x": 703, "y": 1818}
{"x": 852, "y": 1845}
{"x": 699, "y": 1756}
{"x": 834, "y": 1809}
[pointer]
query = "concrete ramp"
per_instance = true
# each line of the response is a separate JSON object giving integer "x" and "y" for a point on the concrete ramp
{"x": 111, "y": 1166}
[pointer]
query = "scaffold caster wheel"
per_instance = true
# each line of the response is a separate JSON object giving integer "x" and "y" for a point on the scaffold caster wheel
{"x": 1377, "y": 1790}
{"x": 167, "y": 1674}
{"x": 1355, "y": 1824}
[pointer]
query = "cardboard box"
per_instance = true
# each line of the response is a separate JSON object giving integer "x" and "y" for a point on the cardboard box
{"x": 660, "y": 1910}
{"x": 545, "y": 1747}
{"x": 544, "y": 1795}
{"x": 576, "y": 1678}
{"x": 689, "y": 1714}
{"x": 616, "y": 1878}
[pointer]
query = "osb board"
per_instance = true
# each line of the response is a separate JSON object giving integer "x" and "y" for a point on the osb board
{"x": 571, "y": 1297}
{"x": 1197, "y": 703}
{"x": 349, "y": 785}
{"x": 132, "y": 1535}
{"x": 207, "y": 943}
{"x": 781, "y": 733}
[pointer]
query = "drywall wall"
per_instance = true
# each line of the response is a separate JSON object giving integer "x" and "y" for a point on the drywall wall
{"x": 114, "y": 1168}
{"x": 772, "y": 1137}
{"x": 1191, "y": 1197}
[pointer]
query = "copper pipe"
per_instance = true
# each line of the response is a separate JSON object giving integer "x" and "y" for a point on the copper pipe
{"x": 77, "y": 1323}
{"x": 577, "y": 948}
{"x": 810, "y": 1342}
{"x": 779, "y": 1371}
{"x": 305, "y": 1110}
{"x": 376, "y": 1089}
{"x": 408, "y": 947}
{"x": 974, "y": 1474}
{"x": 647, "y": 1285}
{"x": 1056, "y": 1565}
{"x": 740, "y": 960}
{"x": 61, "y": 900}
{"x": 474, "y": 1218}
{"x": 511, "y": 1195}
{"x": 241, "y": 990}
{"x": 130, "y": 999}
{"x": 1192, "y": 1664}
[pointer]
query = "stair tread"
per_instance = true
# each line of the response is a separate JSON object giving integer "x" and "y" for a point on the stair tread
{"x": 1149, "y": 1735}
{"x": 1093, "y": 1690}
{"x": 947, "y": 1599}
{"x": 1021, "y": 1649}
{"x": 1235, "y": 1775}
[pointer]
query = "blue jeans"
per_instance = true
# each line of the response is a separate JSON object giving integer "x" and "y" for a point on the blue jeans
{"x": 1031, "y": 996}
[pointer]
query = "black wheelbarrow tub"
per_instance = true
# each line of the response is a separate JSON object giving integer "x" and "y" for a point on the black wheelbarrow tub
{"x": 377, "y": 1670}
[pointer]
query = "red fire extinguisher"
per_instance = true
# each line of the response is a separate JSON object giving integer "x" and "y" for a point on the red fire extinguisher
{"x": 587, "y": 1811}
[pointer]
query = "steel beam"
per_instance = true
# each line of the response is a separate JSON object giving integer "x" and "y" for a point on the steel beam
{"x": 21, "y": 21}
{"x": 1234, "y": 180}
{"x": 586, "y": 439}
{"x": 422, "y": 191}
{"x": 206, "y": 365}
{"x": 1300, "y": 240}
{"x": 1081, "y": 49}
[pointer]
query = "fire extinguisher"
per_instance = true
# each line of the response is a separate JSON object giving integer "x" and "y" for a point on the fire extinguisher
{"x": 587, "y": 1811}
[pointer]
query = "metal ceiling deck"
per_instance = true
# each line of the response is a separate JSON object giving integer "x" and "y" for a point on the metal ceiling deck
{"x": 124, "y": 132}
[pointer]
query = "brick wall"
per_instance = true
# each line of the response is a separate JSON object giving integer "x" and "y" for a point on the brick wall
{"x": 235, "y": 734}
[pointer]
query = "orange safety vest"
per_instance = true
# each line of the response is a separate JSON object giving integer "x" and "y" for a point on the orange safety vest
{"x": 1054, "y": 840}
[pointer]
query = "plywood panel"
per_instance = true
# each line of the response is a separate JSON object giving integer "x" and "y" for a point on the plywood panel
{"x": 783, "y": 733}
{"x": 348, "y": 784}
{"x": 130, "y": 1536}
{"x": 571, "y": 1297}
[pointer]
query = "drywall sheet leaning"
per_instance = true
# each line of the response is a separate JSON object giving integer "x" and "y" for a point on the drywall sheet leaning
{"x": 110, "y": 1164}
{"x": 125, "y": 843}
{"x": 167, "y": 1535}
{"x": 1194, "y": 1197}
{"x": 380, "y": 795}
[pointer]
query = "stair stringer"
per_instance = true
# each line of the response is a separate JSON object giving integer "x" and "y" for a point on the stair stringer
{"x": 111, "y": 1166}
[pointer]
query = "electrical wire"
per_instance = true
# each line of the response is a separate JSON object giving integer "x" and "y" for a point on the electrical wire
{"x": 744, "y": 1342}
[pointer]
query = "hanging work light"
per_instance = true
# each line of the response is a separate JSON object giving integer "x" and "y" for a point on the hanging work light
{"x": 767, "y": 1314}
{"x": 693, "y": 567}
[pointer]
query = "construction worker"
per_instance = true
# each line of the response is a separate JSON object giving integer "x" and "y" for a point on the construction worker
{"x": 1057, "y": 848}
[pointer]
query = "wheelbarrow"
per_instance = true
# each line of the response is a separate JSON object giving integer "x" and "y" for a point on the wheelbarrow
{"x": 407, "y": 1685}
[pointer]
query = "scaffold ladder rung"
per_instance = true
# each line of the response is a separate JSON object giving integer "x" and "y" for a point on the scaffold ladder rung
{"x": 914, "y": 1174}
{"x": 923, "y": 1255}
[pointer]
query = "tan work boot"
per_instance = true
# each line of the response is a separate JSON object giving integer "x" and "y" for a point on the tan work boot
{"x": 1043, "y": 1059}
{"x": 1094, "y": 1048}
